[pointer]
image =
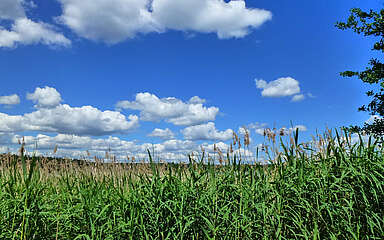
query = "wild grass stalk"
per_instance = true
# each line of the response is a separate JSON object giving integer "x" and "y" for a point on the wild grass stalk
{"x": 330, "y": 188}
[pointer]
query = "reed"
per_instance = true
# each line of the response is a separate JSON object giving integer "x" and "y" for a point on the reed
{"x": 330, "y": 188}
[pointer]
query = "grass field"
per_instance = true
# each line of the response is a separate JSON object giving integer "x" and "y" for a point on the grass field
{"x": 328, "y": 189}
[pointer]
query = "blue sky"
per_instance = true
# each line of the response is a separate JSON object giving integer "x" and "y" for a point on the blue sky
{"x": 92, "y": 75}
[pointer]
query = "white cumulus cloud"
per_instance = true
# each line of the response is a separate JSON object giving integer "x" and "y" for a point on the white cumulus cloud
{"x": 225, "y": 18}
{"x": 6, "y": 139}
{"x": 258, "y": 127}
{"x": 171, "y": 109}
{"x": 162, "y": 133}
{"x": 196, "y": 100}
{"x": 79, "y": 146}
{"x": 9, "y": 123}
{"x": 65, "y": 119}
{"x": 85, "y": 120}
{"x": 51, "y": 116}
{"x": 110, "y": 21}
{"x": 11, "y": 9}
{"x": 86, "y": 147}
{"x": 281, "y": 87}
{"x": 46, "y": 97}
{"x": 206, "y": 131}
{"x": 262, "y": 128}
{"x": 298, "y": 98}
{"x": 123, "y": 19}
{"x": 25, "y": 31}
{"x": 10, "y": 100}
{"x": 223, "y": 147}
{"x": 300, "y": 128}
{"x": 179, "y": 145}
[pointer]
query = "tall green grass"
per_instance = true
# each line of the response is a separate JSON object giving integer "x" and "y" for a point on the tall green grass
{"x": 328, "y": 189}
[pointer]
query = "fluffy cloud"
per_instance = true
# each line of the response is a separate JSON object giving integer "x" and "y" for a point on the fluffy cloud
{"x": 258, "y": 127}
{"x": 24, "y": 30}
{"x": 243, "y": 130}
{"x": 300, "y": 128}
{"x": 262, "y": 128}
{"x": 111, "y": 21}
{"x": 51, "y": 116}
{"x": 122, "y": 19}
{"x": 84, "y": 120}
{"x": 11, "y": 9}
{"x": 206, "y": 132}
{"x": 162, "y": 133}
{"x": 46, "y": 97}
{"x": 298, "y": 98}
{"x": 226, "y": 19}
{"x": 311, "y": 95}
{"x": 196, "y": 100}
{"x": 10, "y": 123}
{"x": 6, "y": 139}
{"x": 76, "y": 146}
{"x": 79, "y": 146}
{"x": 85, "y": 147}
{"x": 218, "y": 145}
{"x": 224, "y": 148}
{"x": 74, "y": 142}
{"x": 281, "y": 87}
{"x": 287, "y": 131}
{"x": 171, "y": 109}
{"x": 179, "y": 145}
{"x": 10, "y": 100}
{"x": 4, "y": 149}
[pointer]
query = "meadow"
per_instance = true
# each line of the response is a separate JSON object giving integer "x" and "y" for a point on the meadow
{"x": 329, "y": 188}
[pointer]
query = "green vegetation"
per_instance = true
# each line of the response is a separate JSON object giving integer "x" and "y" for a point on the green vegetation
{"x": 328, "y": 189}
{"x": 369, "y": 24}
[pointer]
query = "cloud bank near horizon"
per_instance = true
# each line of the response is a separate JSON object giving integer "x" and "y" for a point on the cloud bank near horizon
{"x": 86, "y": 128}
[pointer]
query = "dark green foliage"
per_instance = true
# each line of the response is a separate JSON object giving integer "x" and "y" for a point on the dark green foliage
{"x": 335, "y": 192}
{"x": 369, "y": 24}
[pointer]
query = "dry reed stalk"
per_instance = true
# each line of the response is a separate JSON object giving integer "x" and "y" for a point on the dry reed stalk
{"x": 220, "y": 156}
{"x": 235, "y": 138}
{"x": 246, "y": 138}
